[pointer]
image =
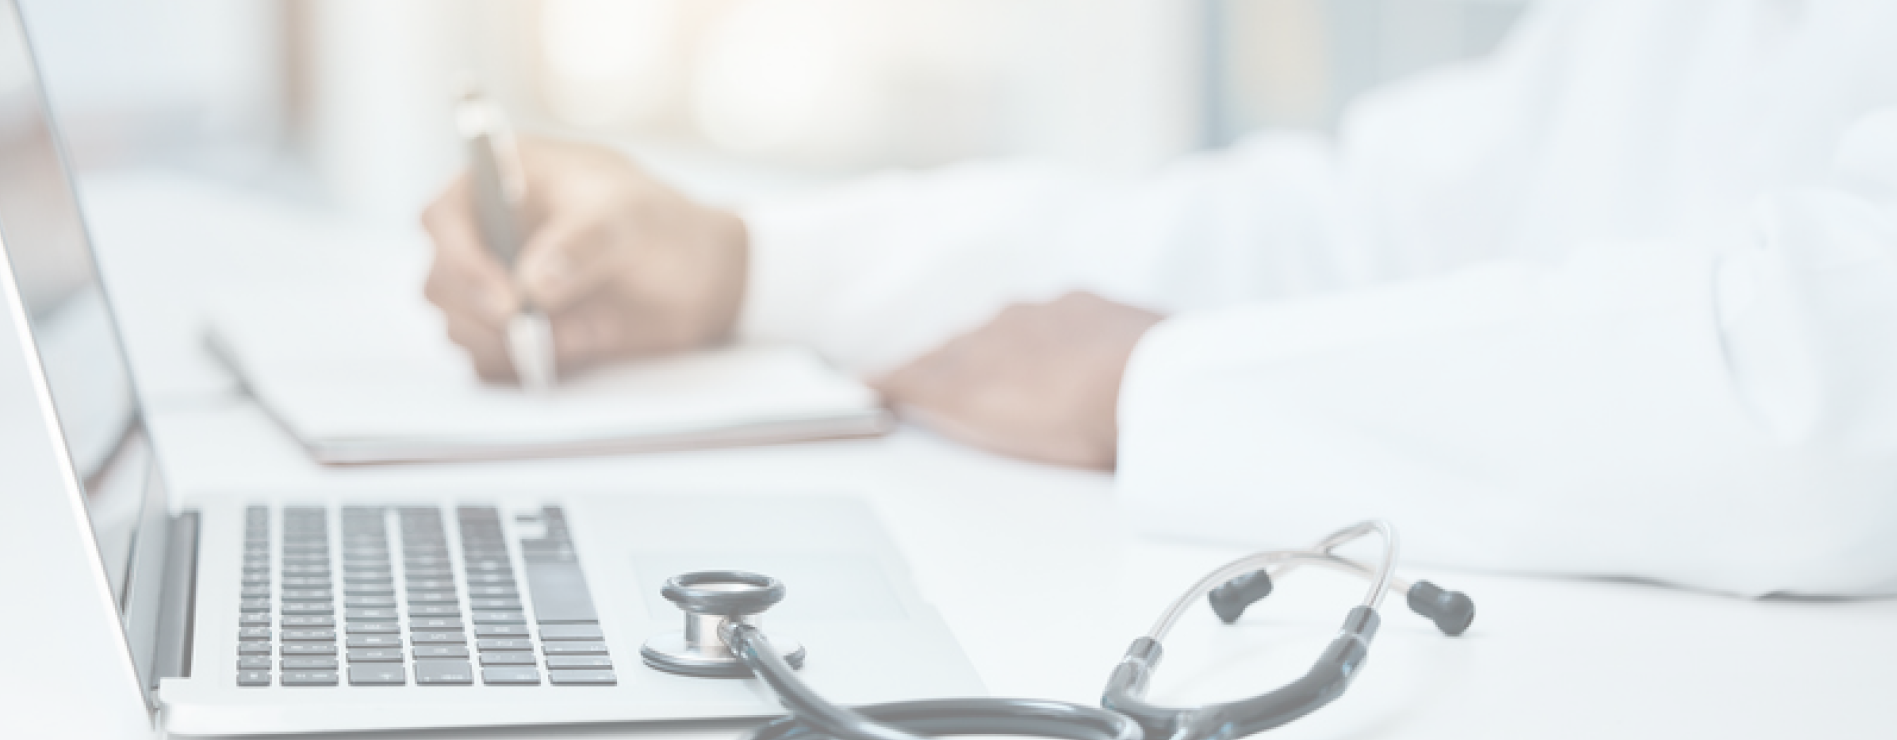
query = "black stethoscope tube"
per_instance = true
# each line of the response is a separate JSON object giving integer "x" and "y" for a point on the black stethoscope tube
{"x": 1323, "y": 683}
{"x": 812, "y": 716}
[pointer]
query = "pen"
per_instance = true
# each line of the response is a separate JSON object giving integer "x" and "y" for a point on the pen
{"x": 498, "y": 188}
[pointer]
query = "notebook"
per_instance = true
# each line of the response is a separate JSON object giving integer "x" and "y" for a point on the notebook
{"x": 360, "y": 383}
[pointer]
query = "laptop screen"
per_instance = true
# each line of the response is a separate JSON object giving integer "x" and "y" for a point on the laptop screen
{"x": 66, "y": 306}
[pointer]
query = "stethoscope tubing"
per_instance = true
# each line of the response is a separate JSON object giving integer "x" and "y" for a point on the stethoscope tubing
{"x": 812, "y": 716}
{"x": 1124, "y": 713}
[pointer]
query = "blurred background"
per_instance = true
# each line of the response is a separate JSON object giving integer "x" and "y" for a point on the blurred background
{"x": 347, "y": 102}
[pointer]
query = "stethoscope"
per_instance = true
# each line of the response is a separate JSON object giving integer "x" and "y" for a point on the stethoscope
{"x": 724, "y": 637}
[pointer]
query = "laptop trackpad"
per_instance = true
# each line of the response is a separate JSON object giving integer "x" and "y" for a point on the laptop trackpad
{"x": 818, "y": 586}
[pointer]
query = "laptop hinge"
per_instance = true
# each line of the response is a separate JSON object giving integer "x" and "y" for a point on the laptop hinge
{"x": 172, "y": 658}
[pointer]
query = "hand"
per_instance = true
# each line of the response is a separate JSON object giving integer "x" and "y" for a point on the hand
{"x": 1039, "y": 381}
{"x": 621, "y": 264}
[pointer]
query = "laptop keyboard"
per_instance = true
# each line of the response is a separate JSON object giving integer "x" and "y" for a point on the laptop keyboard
{"x": 315, "y": 616}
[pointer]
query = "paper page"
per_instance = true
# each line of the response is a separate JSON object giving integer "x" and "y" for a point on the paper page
{"x": 347, "y": 373}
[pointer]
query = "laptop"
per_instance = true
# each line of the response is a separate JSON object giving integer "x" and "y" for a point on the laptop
{"x": 278, "y": 612}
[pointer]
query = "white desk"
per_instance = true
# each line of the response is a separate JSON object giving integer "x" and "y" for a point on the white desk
{"x": 1033, "y": 567}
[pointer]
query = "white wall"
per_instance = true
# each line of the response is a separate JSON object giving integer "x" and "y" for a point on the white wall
{"x": 193, "y": 81}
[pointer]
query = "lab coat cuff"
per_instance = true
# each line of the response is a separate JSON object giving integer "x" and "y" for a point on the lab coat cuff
{"x": 778, "y": 289}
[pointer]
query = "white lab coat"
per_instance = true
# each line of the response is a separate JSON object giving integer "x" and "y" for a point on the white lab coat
{"x": 1620, "y": 299}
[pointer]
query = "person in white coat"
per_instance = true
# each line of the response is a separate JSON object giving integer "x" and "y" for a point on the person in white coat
{"x": 1619, "y": 299}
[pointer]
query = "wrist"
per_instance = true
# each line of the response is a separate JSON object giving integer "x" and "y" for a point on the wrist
{"x": 728, "y": 255}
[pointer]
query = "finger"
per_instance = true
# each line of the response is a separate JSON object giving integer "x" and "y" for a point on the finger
{"x": 605, "y": 326}
{"x": 930, "y": 381}
{"x": 464, "y": 271}
{"x": 568, "y": 258}
{"x": 586, "y": 333}
{"x": 486, "y": 348}
{"x": 457, "y": 294}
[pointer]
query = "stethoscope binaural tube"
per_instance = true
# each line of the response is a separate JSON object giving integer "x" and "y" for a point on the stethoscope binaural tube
{"x": 1237, "y": 585}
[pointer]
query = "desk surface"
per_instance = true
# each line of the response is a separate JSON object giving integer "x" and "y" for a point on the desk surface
{"x": 1546, "y": 658}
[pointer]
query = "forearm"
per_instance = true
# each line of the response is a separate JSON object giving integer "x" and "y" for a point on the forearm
{"x": 1583, "y": 420}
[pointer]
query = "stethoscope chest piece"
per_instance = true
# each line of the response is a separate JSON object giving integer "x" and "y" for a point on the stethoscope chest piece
{"x": 710, "y": 599}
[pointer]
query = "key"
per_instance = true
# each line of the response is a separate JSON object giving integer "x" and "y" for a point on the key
{"x": 254, "y": 633}
{"x": 375, "y": 655}
{"x": 308, "y": 635}
{"x": 253, "y": 678}
{"x": 559, "y": 593}
{"x": 441, "y": 651}
{"x": 253, "y": 620}
{"x": 365, "y": 641}
{"x": 507, "y": 658}
{"x": 367, "y": 578}
{"x": 309, "y": 678}
{"x": 370, "y": 615}
{"x": 254, "y": 663}
{"x": 495, "y": 578}
{"x": 574, "y": 648}
{"x": 309, "y": 664}
{"x": 369, "y": 589}
{"x": 306, "y": 558}
{"x": 309, "y": 648}
{"x": 571, "y": 632}
{"x": 257, "y": 579}
{"x": 254, "y": 592}
{"x": 377, "y": 674}
{"x": 523, "y": 676}
{"x": 493, "y": 592}
{"x": 436, "y": 584}
{"x": 443, "y": 673}
{"x": 252, "y": 606}
{"x": 438, "y": 638}
{"x": 487, "y": 645}
{"x": 315, "y": 621}
{"x": 501, "y": 630}
{"x": 569, "y": 662}
{"x": 500, "y": 618}
{"x": 310, "y": 607}
{"x": 374, "y": 628}
{"x": 367, "y": 602}
{"x": 431, "y": 573}
{"x": 582, "y": 678}
{"x": 435, "y": 610}
{"x": 306, "y": 582}
{"x": 253, "y": 648}
{"x": 431, "y": 597}
{"x": 497, "y": 605}
{"x": 435, "y": 625}
{"x": 306, "y": 594}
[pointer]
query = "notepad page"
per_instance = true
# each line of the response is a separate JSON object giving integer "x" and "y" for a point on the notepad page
{"x": 350, "y": 373}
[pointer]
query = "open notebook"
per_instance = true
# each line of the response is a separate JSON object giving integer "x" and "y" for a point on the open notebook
{"x": 361, "y": 386}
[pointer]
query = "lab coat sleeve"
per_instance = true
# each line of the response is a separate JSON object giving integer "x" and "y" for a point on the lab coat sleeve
{"x": 876, "y": 272}
{"x": 1721, "y": 417}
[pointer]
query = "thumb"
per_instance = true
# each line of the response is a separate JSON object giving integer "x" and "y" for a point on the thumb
{"x": 564, "y": 261}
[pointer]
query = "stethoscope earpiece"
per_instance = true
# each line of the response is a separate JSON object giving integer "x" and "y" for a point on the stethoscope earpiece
{"x": 1452, "y": 611}
{"x": 712, "y": 601}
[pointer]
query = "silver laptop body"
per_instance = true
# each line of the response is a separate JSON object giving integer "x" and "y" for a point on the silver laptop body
{"x": 285, "y": 611}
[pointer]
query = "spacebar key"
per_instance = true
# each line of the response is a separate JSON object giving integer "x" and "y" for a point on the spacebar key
{"x": 559, "y": 593}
